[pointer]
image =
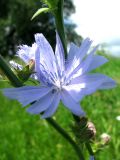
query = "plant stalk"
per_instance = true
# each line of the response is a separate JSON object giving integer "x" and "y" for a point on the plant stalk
{"x": 67, "y": 137}
{"x": 9, "y": 73}
{"x": 89, "y": 148}
{"x": 58, "y": 13}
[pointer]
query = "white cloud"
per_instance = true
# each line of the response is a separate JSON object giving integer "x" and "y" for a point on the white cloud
{"x": 98, "y": 19}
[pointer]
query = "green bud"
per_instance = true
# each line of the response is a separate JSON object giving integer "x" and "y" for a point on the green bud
{"x": 26, "y": 72}
{"x": 31, "y": 65}
{"x": 101, "y": 143}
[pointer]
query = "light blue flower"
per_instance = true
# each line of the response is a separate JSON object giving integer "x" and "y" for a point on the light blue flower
{"x": 27, "y": 53}
{"x": 68, "y": 81}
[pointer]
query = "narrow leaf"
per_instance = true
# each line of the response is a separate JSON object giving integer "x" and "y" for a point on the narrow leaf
{"x": 41, "y": 10}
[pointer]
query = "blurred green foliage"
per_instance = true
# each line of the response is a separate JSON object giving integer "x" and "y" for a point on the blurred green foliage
{"x": 16, "y": 27}
{"x": 24, "y": 136}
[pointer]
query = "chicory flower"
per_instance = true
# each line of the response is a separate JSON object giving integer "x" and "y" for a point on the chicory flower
{"x": 60, "y": 80}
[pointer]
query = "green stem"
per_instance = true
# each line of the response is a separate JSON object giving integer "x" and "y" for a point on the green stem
{"x": 76, "y": 118}
{"x": 67, "y": 137}
{"x": 89, "y": 148}
{"x": 9, "y": 73}
{"x": 58, "y": 13}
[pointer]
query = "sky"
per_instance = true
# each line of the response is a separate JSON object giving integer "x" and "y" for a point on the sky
{"x": 99, "y": 20}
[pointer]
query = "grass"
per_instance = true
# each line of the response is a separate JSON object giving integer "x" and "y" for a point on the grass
{"x": 26, "y": 137}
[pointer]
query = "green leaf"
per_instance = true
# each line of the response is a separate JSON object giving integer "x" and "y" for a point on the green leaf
{"x": 41, "y": 10}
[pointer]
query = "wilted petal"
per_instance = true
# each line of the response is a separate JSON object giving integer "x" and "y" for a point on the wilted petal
{"x": 42, "y": 104}
{"x": 53, "y": 106}
{"x": 26, "y": 94}
{"x": 69, "y": 102}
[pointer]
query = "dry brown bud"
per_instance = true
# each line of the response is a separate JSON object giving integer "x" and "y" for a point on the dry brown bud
{"x": 91, "y": 128}
{"x": 31, "y": 64}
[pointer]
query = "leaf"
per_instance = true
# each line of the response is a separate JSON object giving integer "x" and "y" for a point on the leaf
{"x": 41, "y": 10}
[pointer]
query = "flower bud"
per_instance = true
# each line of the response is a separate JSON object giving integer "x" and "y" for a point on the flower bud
{"x": 31, "y": 65}
{"x": 92, "y": 129}
{"x": 105, "y": 138}
{"x": 84, "y": 130}
{"x": 26, "y": 71}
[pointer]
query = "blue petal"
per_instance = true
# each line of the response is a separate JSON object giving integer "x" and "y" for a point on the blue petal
{"x": 75, "y": 90}
{"x": 42, "y": 104}
{"x": 26, "y": 94}
{"x": 73, "y": 50}
{"x": 86, "y": 63}
{"x": 93, "y": 82}
{"x": 46, "y": 57}
{"x": 37, "y": 64}
{"x": 53, "y": 106}
{"x": 75, "y": 58}
{"x": 59, "y": 54}
{"x": 69, "y": 102}
{"x": 97, "y": 61}
{"x": 83, "y": 67}
{"x": 108, "y": 83}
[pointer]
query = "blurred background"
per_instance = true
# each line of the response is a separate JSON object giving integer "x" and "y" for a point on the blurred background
{"x": 26, "y": 137}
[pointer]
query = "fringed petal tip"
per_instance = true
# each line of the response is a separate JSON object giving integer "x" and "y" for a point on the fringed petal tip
{"x": 38, "y": 37}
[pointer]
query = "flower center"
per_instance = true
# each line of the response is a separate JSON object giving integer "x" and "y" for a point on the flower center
{"x": 58, "y": 85}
